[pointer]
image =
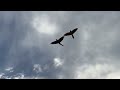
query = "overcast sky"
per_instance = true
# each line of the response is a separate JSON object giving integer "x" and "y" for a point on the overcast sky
{"x": 26, "y": 52}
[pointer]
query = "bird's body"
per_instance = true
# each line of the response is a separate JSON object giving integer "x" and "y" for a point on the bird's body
{"x": 71, "y": 32}
{"x": 58, "y": 41}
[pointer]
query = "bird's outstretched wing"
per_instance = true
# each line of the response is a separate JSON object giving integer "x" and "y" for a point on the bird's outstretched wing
{"x": 54, "y": 42}
{"x": 60, "y": 39}
{"x": 71, "y": 32}
{"x": 74, "y": 30}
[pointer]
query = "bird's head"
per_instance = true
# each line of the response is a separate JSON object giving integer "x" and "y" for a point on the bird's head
{"x": 76, "y": 28}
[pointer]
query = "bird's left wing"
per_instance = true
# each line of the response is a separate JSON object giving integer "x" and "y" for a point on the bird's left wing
{"x": 61, "y": 39}
{"x": 54, "y": 42}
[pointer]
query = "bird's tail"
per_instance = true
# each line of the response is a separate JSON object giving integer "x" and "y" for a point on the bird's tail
{"x": 61, "y": 44}
{"x": 72, "y": 36}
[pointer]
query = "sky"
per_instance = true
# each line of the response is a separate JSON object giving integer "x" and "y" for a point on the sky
{"x": 26, "y": 52}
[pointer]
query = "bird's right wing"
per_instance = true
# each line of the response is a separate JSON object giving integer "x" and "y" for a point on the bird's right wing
{"x": 74, "y": 30}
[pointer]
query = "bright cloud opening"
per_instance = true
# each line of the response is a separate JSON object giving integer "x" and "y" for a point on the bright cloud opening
{"x": 57, "y": 62}
{"x": 44, "y": 25}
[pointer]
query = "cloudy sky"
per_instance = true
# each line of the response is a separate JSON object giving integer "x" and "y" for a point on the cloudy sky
{"x": 26, "y": 52}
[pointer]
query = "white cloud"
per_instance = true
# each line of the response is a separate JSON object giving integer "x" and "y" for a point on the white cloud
{"x": 58, "y": 62}
{"x": 1, "y": 75}
{"x": 102, "y": 69}
{"x": 113, "y": 75}
{"x": 96, "y": 71}
{"x": 44, "y": 25}
{"x": 20, "y": 76}
{"x": 37, "y": 68}
{"x": 10, "y": 69}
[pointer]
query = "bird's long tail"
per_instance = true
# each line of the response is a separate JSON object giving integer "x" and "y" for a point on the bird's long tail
{"x": 61, "y": 44}
{"x": 72, "y": 36}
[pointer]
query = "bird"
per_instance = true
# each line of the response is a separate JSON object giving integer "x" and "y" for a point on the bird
{"x": 71, "y": 33}
{"x": 58, "y": 41}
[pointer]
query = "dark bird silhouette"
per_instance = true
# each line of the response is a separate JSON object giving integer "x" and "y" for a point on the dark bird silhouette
{"x": 58, "y": 41}
{"x": 71, "y": 32}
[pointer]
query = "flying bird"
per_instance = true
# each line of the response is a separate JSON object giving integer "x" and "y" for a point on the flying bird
{"x": 71, "y": 32}
{"x": 58, "y": 41}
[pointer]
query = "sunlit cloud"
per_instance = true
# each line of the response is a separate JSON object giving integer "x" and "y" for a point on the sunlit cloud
{"x": 96, "y": 71}
{"x": 44, "y": 25}
{"x": 10, "y": 69}
{"x": 37, "y": 68}
{"x": 57, "y": 62}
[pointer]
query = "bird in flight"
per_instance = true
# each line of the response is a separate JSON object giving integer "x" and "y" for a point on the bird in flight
{"x": 71, "y": 32}
{"x": 58, "y": 41}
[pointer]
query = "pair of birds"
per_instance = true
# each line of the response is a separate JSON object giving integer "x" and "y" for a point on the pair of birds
{"x": 66, "y": 34}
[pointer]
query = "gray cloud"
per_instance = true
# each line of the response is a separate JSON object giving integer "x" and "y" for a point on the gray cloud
{"x": 25, "y": 39}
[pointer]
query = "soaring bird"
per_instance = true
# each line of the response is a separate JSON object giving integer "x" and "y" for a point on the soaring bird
{"x": 71, "y": 32}
{"x": 58, "y": 41}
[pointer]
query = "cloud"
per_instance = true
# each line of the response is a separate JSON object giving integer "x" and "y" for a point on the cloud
{"x": 57, "y": 62}
{"x": 97, "y": 71}
{"x": 44, "y": 26}
{"x": 37, "y": 68}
